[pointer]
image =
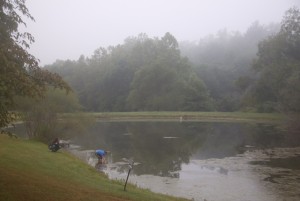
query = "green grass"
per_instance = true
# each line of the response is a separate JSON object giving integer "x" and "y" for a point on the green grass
{"x": 29, "y": 171}
{"x": 188, "y": 116}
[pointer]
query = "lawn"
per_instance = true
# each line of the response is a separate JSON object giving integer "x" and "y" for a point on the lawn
{"x": 29, "y": 171}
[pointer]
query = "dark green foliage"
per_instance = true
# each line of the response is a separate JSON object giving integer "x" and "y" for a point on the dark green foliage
{"x": 41, "y": 118}
{"x": 221, "y": 60}
{"x": 20, "y": 73}
{"x": 142, "y": 74}
{"x": 278, "y": 68}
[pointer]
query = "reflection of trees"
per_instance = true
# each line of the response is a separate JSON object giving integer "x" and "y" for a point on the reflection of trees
{"x": 229, "y": 139}
{"x": 222, "y": 140}
{"x": 158, "y": 155}
{"x": 293, "y": 129}
{"x": 144, "y": 142}
{"x": 267, "y": 136}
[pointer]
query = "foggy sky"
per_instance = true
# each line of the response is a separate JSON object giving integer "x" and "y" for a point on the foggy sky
{"x": 66, "y": 29}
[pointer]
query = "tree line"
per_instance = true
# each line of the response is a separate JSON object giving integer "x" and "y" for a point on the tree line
{"x": 143, "y": 74}
{"x": 256, "y": 71}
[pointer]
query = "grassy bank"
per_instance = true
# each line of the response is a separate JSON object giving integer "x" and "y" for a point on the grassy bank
{"x": 28, "y": 171}
{"x": 189, "y": 116}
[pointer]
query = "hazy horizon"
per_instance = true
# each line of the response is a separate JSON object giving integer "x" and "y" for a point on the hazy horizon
{"x": 65, "y": 29}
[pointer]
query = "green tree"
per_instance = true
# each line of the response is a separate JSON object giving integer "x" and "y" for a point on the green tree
{"x": 141, "y": 74}
{"x": 20, "y": 73}
{"x": 278, "y": 67}
{"x": 41, "y": 118}
{"x": 219, "y": 60}
{"x": 167, "y": 82}
{"x": 152, "y": 87}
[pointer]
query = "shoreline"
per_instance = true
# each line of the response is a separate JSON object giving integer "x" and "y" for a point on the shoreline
{"x": 184, "y": 116}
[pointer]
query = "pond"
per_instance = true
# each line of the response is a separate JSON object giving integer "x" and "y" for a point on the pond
{"x": 198, "y": 160}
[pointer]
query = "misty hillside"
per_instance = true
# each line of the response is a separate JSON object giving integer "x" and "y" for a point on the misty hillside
{"x": 142, "y": 74}
{"x": 158, "y": 74}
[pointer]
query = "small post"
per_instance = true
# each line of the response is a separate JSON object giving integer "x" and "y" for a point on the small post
{"x": 130, "y": 167}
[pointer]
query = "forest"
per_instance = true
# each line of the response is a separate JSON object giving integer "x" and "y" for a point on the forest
{"x": 257, "y": 71}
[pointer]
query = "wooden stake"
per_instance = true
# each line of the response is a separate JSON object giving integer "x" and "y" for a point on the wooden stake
{"x": 130, "y": 167}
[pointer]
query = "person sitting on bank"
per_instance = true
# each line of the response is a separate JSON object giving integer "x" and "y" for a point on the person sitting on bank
{"x": 101, "y": 155}
{"x": 54, "y": 145}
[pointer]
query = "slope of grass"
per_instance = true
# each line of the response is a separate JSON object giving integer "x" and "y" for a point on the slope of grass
{"x": 28, "y": 171}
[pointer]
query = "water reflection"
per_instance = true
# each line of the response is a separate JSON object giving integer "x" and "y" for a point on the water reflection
{"x": 162, "y": 147}
{"x": 292, "y": 163}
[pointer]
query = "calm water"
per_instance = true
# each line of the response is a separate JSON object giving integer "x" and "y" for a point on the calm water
{"x": 197, "y": 160}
